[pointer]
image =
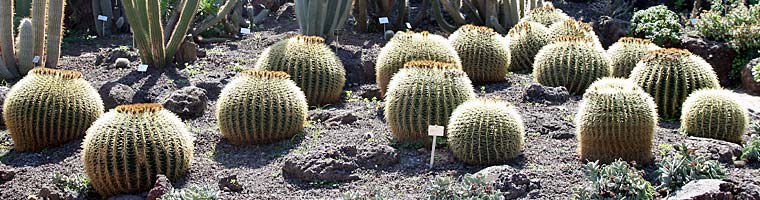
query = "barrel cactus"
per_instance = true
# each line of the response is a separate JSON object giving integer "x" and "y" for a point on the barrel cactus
{"x": 129, "y": 146}
{"x": 424, "y": 93}
{"x": 484, "y": 53}
{"x": 525, "y": 40}
{"x": 546, "y": 15}
{"x": 311, "y": 64}
{"x": 572, "y": 27}
{"x": 616, "y": 120}
{"x": 670, "y": 75}
{"x": 486, "y": 132}
{"x": 50, "y": 107}
{"x": 714, "y": 113}
{"x": 626, "y": 52}
{"x": 260, "y": 107}
{"x": 572, "y": 62}
{"x": 411, "y": 46}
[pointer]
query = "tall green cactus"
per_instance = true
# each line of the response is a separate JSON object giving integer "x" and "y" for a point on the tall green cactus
{"x": 525, "y": 40}
{"x": 484, "y": 53}
{"x": 158, "y": 45}
{"x": 322, "y": 17}
{"x": 714, "y": 113}
{"x": 500, "y": 15}
{"x": 54, "y": 32}
{"x": 670, "y": 75}
{"x": 50, "y": 107}
{"x": 8, "y": 68}
{"x": 46, "y": 30}
{"x": 486, "y": 132}
{"x": 546, "y": 15}
{"x": 572, "y": 62}
{"x": 626, "y": 52}
{"x": 616, "y": 120}
{"x": 129, "y": 146}
{"x": 424, "y": 93}
{"x": 260, "y": 107}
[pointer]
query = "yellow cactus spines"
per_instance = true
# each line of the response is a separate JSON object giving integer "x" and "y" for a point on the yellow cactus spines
{"x": 486, "y": 132}
{"x": 616, "y": 120}
{"x": 525, "y": 40}
{"x": 50, "y": 107}
{"x": 546, "y": 15}
{"x": 626, "y": 52}
{"x": 484, "y": 53}
{"x": 411, "y": 46}
{"x": 714, "y": 113}
{"x": 260, "y": 107}
{"x": 572, "y": 62}
{"x": 574, "y": 28}
{"x": 130, "y": 145}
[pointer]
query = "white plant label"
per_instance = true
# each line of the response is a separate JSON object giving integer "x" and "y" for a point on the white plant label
{"x": 408, "y": 25}
{"x": 142, "y": 68}
{"x": 694, "y": 21}
{"x": 36, "y": 59}
{"x": 245, "y": 31}
{"x": 102, "y": 18}
{"x": 384, "y": 20}
{"x": 435, "y": 130}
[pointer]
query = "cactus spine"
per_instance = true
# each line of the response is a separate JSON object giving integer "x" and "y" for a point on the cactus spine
{"x": 572, "y": 62}
{"x": 546, "y": 15}
{"x": 714, "y": 113}
{"x": 322, "y": 17}
{"x": 424, "y": 93}
{"x": 616, "y": 120}
{"x": 50, "y": 107}
{"x": 484, "y": 53}
{"x": 157, "y": 47}
{"x": 525, "y": 40}
{"x": 260, "y": 107}
{"x": 25, "y": 44}
{"x": 486, "y": 132}
{"x": 670, "y": 75}
{"x": 628, "y": 51}
{"x": 129, "y": 146}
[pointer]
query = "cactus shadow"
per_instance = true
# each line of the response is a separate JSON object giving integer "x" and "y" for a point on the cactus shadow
{"x": 254, "y": 156}
{"x": 46, "y": 156}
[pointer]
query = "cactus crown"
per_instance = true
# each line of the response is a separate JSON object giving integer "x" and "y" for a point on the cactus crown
{"x": 543, "y": 9}
{"x": 520, "y": 28}
{"x": 139, "y": 108}
{"x": 667, "y": 55}
{"x": 266, "y": 74}
{"x": 410, "y": 35}
{"x": 479, "y": 29}
{"x": 583, "y": 40}
{"x": 577, "y": 25}
{"x": 613, "y": 85}
{"x": 309, "y": 39}
{"x": 633, "y": 40}
{"x": 65, "y": 74}
{"x": 430, "y": 64}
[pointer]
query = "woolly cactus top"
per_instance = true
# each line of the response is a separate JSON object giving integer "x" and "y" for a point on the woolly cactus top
{"x": 478, "y": 29}
{"x": 65, "y": 74}
{"x": 574, "y": 39}
{"x": 633, "y": 40}
{"x": 523, "y": 27}
{"x": 139, "y": 108}
{"x": 430, "y": 64}
{"x": 266, "y": 74}
{"x": 308, "y": 39}
{"x": 667, "y": 55}
{"x": 611, "y": 85}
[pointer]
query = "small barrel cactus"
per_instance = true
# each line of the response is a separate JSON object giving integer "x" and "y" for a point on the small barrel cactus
{"x": 525, "y": 40}
{"x": 486, "y": 132}
{"x": 546, "y": 15}
{"x": 311, "y": 64}
{"x": 129, "y": 146}
{"x": 260, "y": 107}
{"x": 50, "y": 107}
{"x": 572, "y": 62}
{"x": 411, "y": 46}
{"x": 484, "y": 53}
{"x": 714, "y": 113}
{"x": 670, "y": 75}
{"x": 626, "y": 52}
{"x": 424, "y": 93}
{"x": 572, "y": 27}
{"x": 616, "y": 120}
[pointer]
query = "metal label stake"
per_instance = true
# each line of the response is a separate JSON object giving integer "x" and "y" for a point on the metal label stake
{"x": 434, "y": 131}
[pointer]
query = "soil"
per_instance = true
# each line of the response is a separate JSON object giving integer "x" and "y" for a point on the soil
{"x": 549, "y": 156}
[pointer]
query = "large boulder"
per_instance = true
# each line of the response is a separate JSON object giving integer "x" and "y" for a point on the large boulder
{"x": 188, "y": 102}
{"x": 748, "y": 79}
{"x": 718, "y": 54}
{"x": 610, "y": 30}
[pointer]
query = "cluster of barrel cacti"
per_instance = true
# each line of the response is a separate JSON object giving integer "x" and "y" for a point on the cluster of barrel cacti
{"x": 38, "y": 42}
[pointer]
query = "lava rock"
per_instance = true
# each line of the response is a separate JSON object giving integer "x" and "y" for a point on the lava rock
{"x": 6, "y": 175}
{"x": 561, "y": 135}
{"x": 338, "y": 163}
{"x": 187, "y": 52}
{"x": 610, "y": 30}
{"x": 162, "y": 186}
{"x": 115, "y": 94}
{"x": 345, "y": 118}
{"x": 322, "y": 115}
{"x": 748, "y": 80}
{"x": 512, "y": 183}
{"x": 705, "y": 189}
{"x": 718, "y": 54}
{"x": 213, "y": 84}
{"x": 230, "y": 183}
{"x": 3, "y": 91}
{"x": 188, "y": 102}
{"x": 369, "y": 91}
{"x": 719, "y": 150}
{"x": 538, "y": 93}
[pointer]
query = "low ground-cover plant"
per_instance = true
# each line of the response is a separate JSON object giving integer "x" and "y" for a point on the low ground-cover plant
{"x": 78, "y": 185}
{"x": 751, "y": 150}
{"x": 736, "y": 24}
{"x": 192, "y": 192}
{"x": 618, "y": 180}
{"x": 657, "y": 24}
{"x": 681, "y": 166}
{"x": 468, "y": 187}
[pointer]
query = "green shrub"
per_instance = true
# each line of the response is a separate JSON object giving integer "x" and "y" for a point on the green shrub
{"x": 618, "y": 180}
{"x": 751, "y": 150}
{"x": 738, "y": 26}
{"x": 469, "y": 187}
{"x": 192, "y": 193}
{"x": 682, "y": 166}
{"x": 657, "y": 24}
{"x": 756, "y": 72}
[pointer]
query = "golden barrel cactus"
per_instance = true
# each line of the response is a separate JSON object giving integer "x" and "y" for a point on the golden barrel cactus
{"x": 572, "y": 62}
{"x": 626, "y": 52}
{"x": 714, "y": 113}
{"x": 486, "y": 132}
{"x": 484, "y": 53}
{"x": 525, "y": 40}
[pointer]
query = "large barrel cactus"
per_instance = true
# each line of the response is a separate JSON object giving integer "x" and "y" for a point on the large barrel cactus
{"x": 424, "y": 93}
{"x": 714, "y": 113}
{"x": 50, "y": 107}
{"x": 525, "y": 40}
{"x": 411, "y": 46}
{"x": 572, "y": 27}
{"x": 616, "y": 120}
{"x": 484, "y": 53}
{"x": 572, "y": 62}
{"x": 626, "y": 52}
{"x": 311, "y": 64}
{"x": 129, "y": 146}
{"x": 260, "y": 107}
{"x": 670, "y": 75}
{"x": 486, "y": 132}
{"x": 546, "y": 15}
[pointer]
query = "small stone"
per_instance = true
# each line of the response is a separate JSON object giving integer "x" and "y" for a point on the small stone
{"x": 538, "y": 93}
{"x": 6, "y": 175}
{"x": 115, "y": 94}
{"x": 162, "y": 186}
{"x": 121, "y": 63}
{"x": 230, "y": 183}
{"x": 188, "y": 102}
{"x": 561, "y": 135}
{"x": 347, "y": 118}
{"x": 704, "y": 189}
{"x": 740, "y": 164}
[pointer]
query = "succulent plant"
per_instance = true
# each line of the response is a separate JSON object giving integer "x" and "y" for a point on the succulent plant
{"x": 525, "y": 40}
{"x": 484, "y": 53}
{"x": 311, "y": 64}
{"x": 424, "y": 93}
{"x": 260, "y": 107}
{"x": 411, "y": 46}
{"x": 129, "y": 146}
{"x": 486, "y": 132}
{"x": 42, "y": 33}
{"x": 670, "y": 75}
{"x": 574, "y": 28}
{"x": 500, "y": 15}
{"x": 157, "y": 48}
{"x": 546, "y": 15}
{"x": 321, "y": 17}
{"x": 626, "y": 52}
{"x": 572, "y": 62}
{"x": 616, "y": 120}
{"x": 714, "y": 113}
{"x": 50, "y": 107}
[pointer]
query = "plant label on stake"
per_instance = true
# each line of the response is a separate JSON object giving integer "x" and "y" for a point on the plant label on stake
{"x": 142, "y": 68}
{"x": 102, "y": 18}
{"x": 36, "y": 60}
{"x": 434, "y": 131}
{"x": 694, "y": 21}
{"x": 245, "y": 31}
{"x": 409, "y": 26}
{"x": 384, "y": 21}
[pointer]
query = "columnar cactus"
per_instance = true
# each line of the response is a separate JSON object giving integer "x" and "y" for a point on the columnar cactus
{"x": 156, "y": 47}
{"x": 322, "y": 17}
{"x": 484, "y": 53}
{"x": 129, "y": 146}
{"x": 574, "y": 28}
{"x": 626, "y": 52}
{"x": 424, "y": 93}
{"x": 525, "y": 40}
{"x": 714, "y": 113}
{"x": 546, "y": 15}
{"x": 50, "y": 107}
{"x": 500, "y": 15}
{"x": 616, "y": 120}
{"x": 311, "y": 64}
{"x": 486, "y": 132}
{"x": 411, "y": 46}
{"x": 572, "y": 62}
{"x": 42, "y": 34}
{"x": 670, "y": 75}
{"x": 260, "y": 107}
